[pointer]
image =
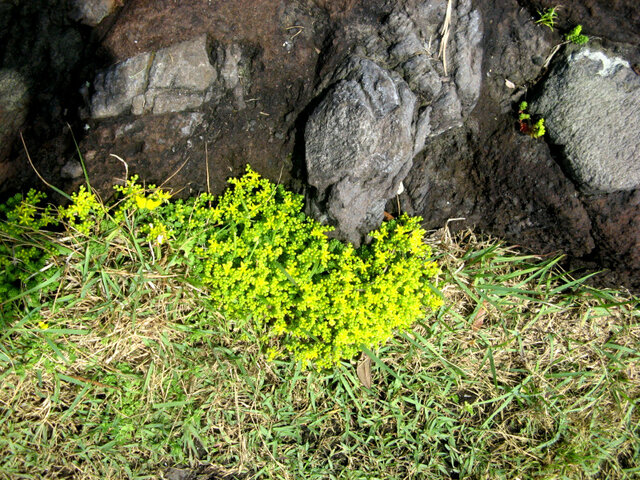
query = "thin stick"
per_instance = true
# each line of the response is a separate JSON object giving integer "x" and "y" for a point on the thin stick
{"x": 126, "y": 167}
{"x": 175, "y": 173}
{"x": 444, "y": 31}
{"x": 56, "y": 189}
{"x": 206, "y": 162}
{"x": 299, "y": 27}
{"x": 551, "y": 55}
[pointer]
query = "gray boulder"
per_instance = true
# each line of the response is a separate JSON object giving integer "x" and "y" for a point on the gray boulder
{"x": 177, "y": 78}
{"x": 408, "y": 82}
{"x": 121, "y": 86}
{"x": 359, "y": 146}
{"x": 591, "y": 106}
{"x": 444, "y": 71}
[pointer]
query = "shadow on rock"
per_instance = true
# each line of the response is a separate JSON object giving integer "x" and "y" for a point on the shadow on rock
{"x": 46, "y": 53}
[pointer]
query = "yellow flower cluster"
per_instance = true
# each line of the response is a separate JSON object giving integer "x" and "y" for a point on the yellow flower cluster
{"x": 83, "y": 212}
{"x": 321, "y": 299}
{"x": 136, "y": 197}
{"x": 157, "y": 233}
{"x": 263, "y": 261}
{"x": 22, "y": 260}
{"x": 24, "y": 212}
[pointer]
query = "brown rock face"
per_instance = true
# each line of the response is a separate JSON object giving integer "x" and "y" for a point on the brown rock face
{"x": 246, "y": 121}
{"x": 616, "y": 228}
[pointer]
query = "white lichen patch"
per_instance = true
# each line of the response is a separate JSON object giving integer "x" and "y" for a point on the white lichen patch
{"x": 609, "y": 65}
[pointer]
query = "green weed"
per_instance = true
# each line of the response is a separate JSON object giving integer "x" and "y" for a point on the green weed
{"x": 534, "y": 130}
{"x": 575, "y": 36}
{"x": 548, "y": 17}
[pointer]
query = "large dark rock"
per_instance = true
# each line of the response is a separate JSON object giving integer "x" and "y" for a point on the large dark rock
{"x": 591, "y": 105}
{"x": 14, "y": 102}
{"x": 513, "y": 186}
{"x": 359, "y": 145}
{"x": 616, "y": 223}
{"x": 513, "y": 189}
{"x": 443, "y": 70}
{"x": 360, "y": 140}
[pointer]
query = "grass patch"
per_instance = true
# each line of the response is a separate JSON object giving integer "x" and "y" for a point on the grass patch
{"x": 113, "y": 365}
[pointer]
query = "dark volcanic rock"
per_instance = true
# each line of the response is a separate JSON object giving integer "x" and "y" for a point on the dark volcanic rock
{"x": 616, "y": 227}
{"x": 359, "y": 146}
{"x": 512, "y": 189}
{"x": 442, "y": 69}
{"x": 507, "y": 184}
{"x": 14, "y": 103}
{"x": 591, "y": 106}
{"x": 54, "y": 57}
{"x": 360, "y": 140}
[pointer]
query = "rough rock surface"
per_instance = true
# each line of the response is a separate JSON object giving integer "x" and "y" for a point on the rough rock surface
{"x": 616, "y": 223}
{"x": 14, "y": 102}
{"x": 444, "y": 72}
{"x": 173, "y": 79}
{"x": 357, "y": 154}
{"x": 511, "y": 185}
{"x": 92, "y": 12}
{"x": 117, "y": 88}
{"x": 591, "y": 107}
{"x": 515, "y": 190}
{"x": 359, "y": 146}
{"x": 54, "y": 57}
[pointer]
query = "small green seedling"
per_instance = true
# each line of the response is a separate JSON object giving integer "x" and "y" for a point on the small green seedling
{"x": 575, "y": 36}
{"x": 535, "y": 130}
{"x": 548, "y": 17}
{"x": 523, "y": 115}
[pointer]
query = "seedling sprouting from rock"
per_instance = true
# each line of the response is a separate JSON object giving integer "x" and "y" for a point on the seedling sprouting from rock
{"x": 535, "y": 130}
{"x": 548, "y": 17}
{"x": 575, "y": 36}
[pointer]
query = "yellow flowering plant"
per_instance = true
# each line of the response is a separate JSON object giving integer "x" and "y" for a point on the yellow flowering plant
{"x": 319, "y": 299}
{"x": 23, "y": 255}
{"x": 84, "y": 211}
{"x": 261, "y": 260}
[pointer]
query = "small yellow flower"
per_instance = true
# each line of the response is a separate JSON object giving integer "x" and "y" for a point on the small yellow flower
{"x": 157, "y": 234}
{"x": 43, "y": 325}
{"x": 148, "y": 203}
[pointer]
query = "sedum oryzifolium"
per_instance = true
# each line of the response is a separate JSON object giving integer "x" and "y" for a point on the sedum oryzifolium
{"x": 320, "y": 299}
{"x": 262, "y": 261}
{"x": 23, "y": 252}
{"x": 84, "y": 211}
